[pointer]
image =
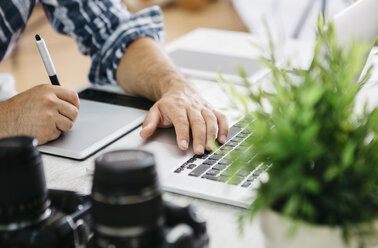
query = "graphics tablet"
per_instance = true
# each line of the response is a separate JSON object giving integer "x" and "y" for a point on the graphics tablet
{"x": 103, "y": 117}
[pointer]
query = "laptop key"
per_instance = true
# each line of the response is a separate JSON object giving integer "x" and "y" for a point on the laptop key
{"x": 203, "y": 156}
{"x": 246, "y": 184}
{"x": 219, "y": 166}
{"x": 232, "y": 132}
{"x": 215, "y": 156}
{"x": 237, "y": 139}
{"x": 251, "y": 178}
{"x": 210, "y": 177}
{"x": 212, "y": 172}
{"x": 215, "y": 178}
{"x": 191, "y": 160}
{"x": 232, "y": 143}
{"x": 236, "y": 180}
{"x": 238, "y": 124}
{"x": 178, "y": 170}
{"x": 227, "y": 173}
{"x": 199, "y": 170}
{"x": 243, "y": 173}
{"x": 224, "y": 162}
{"x": 209, "y": 161}
{"x": 240, "y": 148}
{"x": 245, "y": 131}
{"x": 257, "y": 172}
{"x": 223, "y": 151}
{"x": 191, "y": 166}
{"x": 241, "y": 135}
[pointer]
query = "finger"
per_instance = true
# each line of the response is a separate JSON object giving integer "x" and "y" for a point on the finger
{"x": 63, "y": 123}
{"x": 198, "y": 126}
{"x": 151, "y": 122}
{"x": 68, "y": 110}
{"x": 211, "y": 128}
{"x": 223, "y": 126}
{"x": 67, "y": 95}
{"x": 55, "y": 134}
{"x": 180, "y": 122}
{"x": 52, "y": 135}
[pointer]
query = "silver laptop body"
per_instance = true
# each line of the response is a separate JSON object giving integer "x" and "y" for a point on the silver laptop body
{"x": 359, "y": 21}
{"x": 171, "y": 160}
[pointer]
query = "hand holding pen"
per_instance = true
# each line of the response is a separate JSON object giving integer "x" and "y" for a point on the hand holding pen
{"x": 42, "y": 112}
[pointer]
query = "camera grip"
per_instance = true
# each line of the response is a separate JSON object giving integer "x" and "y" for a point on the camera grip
{"x": 176, "y": 215}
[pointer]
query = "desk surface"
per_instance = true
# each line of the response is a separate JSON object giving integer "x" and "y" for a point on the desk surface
{"x": 221, "y": 219}
{"x": 69, "y": 174}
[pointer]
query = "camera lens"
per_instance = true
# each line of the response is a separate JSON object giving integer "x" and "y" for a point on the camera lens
{"x": 23, "y": 193}
{"x": 127, "y": 203}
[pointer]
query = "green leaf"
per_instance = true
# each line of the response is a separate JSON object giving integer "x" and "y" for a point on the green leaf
{"x": 323, "y": 157}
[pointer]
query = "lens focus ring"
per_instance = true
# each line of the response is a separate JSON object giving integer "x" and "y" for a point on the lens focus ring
{"x": 125, "y": 191}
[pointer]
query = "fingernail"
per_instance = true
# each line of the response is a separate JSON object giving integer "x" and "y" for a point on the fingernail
{"x": 209, "y": 146}
{"x": 141, "y": 133}
{"x": 184, "y": 144}
{"x": 223, "y": 139}
{"x": 146, "y": 126}
{"x": 200, "y": 149}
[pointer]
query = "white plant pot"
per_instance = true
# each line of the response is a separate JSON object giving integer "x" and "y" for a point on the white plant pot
{"x": 278, "y": 233}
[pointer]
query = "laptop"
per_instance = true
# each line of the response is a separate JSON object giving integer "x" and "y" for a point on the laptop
{"x": 205, "y": 176}
{"x": 103, "y": 117}
{"x": 197, "y": 57}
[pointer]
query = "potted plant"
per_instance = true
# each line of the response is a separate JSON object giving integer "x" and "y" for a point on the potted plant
{"x": 322, "y": 156}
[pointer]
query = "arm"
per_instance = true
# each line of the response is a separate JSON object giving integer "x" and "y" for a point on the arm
{"x": 123, "y": 52}
{"x": 103, "y": 30}
{"x": 146, "y": 70}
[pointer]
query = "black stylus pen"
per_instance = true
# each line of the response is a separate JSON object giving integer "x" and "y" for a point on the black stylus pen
{"x": 42, "y": 48}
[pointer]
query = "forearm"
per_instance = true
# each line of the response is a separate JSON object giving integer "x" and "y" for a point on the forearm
{"x": 145, "y": 69}
{"x": 4, "y": 120}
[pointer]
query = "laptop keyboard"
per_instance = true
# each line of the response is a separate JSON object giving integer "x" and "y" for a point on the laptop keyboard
{"x": 216, "y": 166}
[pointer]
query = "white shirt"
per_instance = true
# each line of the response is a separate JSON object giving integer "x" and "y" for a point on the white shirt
{"x": 7, "y": 89}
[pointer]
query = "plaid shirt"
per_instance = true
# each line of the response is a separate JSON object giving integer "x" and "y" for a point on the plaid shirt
{"x": 102, "y": 29}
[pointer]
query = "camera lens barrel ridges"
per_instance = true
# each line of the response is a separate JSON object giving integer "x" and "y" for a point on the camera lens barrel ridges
{"x": 23, "y": 189}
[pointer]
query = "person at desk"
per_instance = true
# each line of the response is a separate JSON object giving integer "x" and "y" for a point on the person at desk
{"x": 124, "y": 49}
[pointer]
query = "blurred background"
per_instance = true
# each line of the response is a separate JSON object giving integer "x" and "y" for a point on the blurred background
{"x": 72, "y": 67}
{"x": 290, "y": 18}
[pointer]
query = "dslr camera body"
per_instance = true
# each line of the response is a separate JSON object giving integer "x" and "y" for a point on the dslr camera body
{"x": 124, "y": 210}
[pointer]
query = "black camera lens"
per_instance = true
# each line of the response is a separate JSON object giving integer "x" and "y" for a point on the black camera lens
{"x": 23, "y": 193}
{"x": 127, "y": 202}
